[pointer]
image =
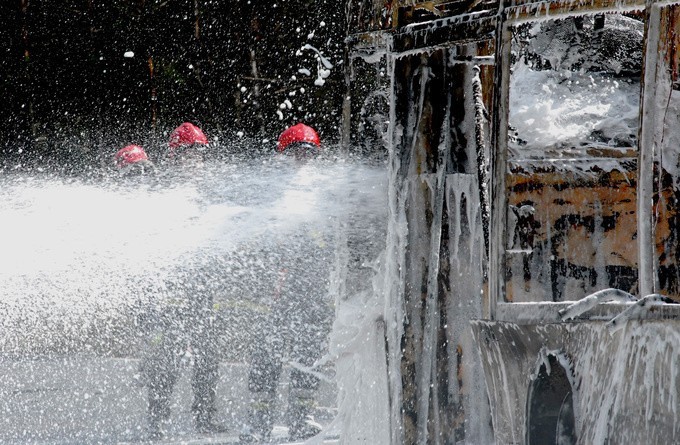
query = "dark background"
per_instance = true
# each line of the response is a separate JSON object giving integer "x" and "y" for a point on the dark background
{"x": 68, "y": 93}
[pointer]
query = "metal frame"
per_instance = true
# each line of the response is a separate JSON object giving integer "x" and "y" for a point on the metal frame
{"x": 521, "y": 12}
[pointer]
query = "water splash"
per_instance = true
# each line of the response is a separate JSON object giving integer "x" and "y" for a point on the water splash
{"x": 81, "y": 256}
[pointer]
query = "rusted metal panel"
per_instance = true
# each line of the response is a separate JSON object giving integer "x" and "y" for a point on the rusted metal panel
{"x": 584, "y": 227}
{"x": 574, "y": 233}
{"x": 669, "y": 48}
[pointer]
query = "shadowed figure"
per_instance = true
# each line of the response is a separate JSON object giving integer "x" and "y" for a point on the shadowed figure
{"x": 181, "y": 326}
{"x": 297, "y": 322}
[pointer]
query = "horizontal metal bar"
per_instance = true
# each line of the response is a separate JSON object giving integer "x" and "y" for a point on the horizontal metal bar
{"x": 548, "y": 312}
{"x": 520, "y": 12}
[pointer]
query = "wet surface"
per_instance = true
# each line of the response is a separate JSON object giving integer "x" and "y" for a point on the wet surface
{"x": 94, "y": 400}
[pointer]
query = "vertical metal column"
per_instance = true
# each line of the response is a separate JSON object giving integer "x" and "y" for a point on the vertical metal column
{"x": 646, "y": 156}
{"x": 499, "y": 154}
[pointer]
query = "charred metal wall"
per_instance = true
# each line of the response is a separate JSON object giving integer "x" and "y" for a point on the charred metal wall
{"x": 435, "y": 150}
{"x": 436, "y": 139}
{"x": 619, "y": 221}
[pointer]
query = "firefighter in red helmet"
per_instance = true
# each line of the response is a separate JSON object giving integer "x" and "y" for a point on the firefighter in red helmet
{"x": 182, "y": 325}
{"x": 296, "y": 325}
{"x": 300, "y": 140}
{"x": 132, "y": 161}
{"x": 187, "y": 144}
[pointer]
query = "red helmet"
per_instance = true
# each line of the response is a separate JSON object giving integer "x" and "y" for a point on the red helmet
{"x": 187, "y": 134}
{"x": 299, "y": 133}
{"x": 130, "y": 155}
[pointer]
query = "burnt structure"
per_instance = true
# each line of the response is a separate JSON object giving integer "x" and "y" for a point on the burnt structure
{"x": 489, "y": 268}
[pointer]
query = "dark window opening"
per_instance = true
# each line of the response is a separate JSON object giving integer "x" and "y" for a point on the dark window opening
{"x": 550, "y": 417}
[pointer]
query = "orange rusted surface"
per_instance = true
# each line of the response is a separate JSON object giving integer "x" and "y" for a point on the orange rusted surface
{"x": 569, "y": 205}
{"x": 584, "y": 225}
